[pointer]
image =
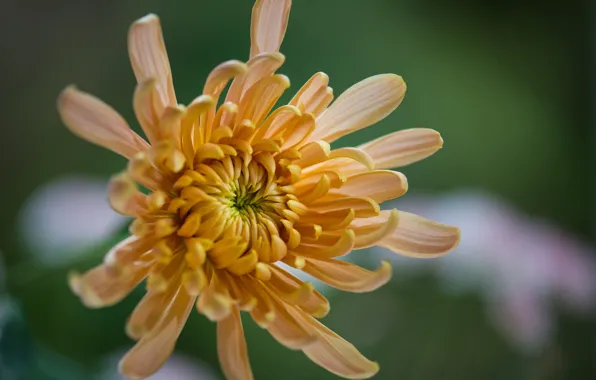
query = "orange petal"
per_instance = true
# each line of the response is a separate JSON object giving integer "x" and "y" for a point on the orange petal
{"x": 259, "y": 67}
{"x": 335, "y": 354}
{"x": 348, "y": 277}
{"x": 403, "y": 147}
{"x": 342, "y": 247}
{"x": 221, "y": 75}
{"x": 93, "y": 120}
{"x": 363, "y": 207}
{"x": 149, "y": 58}
{"x": 291, "y": 289}
{"x": 144, "y": 104}
{"x": 231, "y": 348}
{"x": 268, "y": 26}
{"x": 363, "y": 104}
{"x": 101, "y": 287}
{"x": 124, "y": 196}
{"x": 416, "y": 236}
{"x": 314, "y": 96}
{"x": 152, "y": 351}
{"x": 369, "y": 231}
{"x": 378, "y": 185}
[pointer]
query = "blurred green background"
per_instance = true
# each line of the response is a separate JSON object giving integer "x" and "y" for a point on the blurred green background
{"x": 509, "y": 84}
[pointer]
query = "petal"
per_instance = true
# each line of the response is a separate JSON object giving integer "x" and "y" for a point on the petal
{"x": 378, "y": 185}
{"x": 363, "y": 104}
{"x": 231, "y": 348}
{"x": 416, "y": 236}
{"x": 346, "y": 276}
{"x": 369, "y": 231}
{"x": 149, "y": 58}
{"x": 145, "y": 105}
{"x": 221, "y": 75}
{"x": 259, "y": 67}
{"x": 101, "y": 287}
{"x": 342, "y": 247}
{"x": 124, "y": 196}
{"x": 314, "y": 96}
{"x": 291, "y": 289}
{"x": 93, "y": 120}
{"x": 152, "y": 351}
{"x": 268, "y": 26}
{"x": 363, "y": 207}
{"x": 403, "y": 147}
{"x": 335, "y": 354}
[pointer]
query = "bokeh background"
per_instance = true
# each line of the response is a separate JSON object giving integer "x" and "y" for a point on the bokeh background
{"x": 509, "y": 84}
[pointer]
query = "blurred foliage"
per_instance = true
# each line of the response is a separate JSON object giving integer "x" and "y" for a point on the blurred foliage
{"x": 504, "y": 82}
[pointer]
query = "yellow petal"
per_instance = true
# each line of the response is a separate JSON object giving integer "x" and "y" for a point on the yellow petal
{"x": 416, "y": 236}
{"x": 231, "y": 348}
{"x": 152, "y": 351}
{"x": 378, "y": 185}
{"x": 268, "y": 26}
{"x": 149, "y": 58}
{"x": 214, "y": 302}
{"x": 363, "y": 104}
{"x": 346, "y": 276}
{"x": 93, "y": 120}
{"x": 335, "y": 354}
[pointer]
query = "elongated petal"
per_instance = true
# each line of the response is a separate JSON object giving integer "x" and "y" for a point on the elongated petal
{"x": 416, "y": 236}
{"x": 101, "y": 287}
{"x": 378, "y": 185}
{"x": 314, "y": 96}
{"x": 346, "y": 276}
{"x": 335, "y": 354}
{"x": 231, "y": 347}
{"x": 93, "y": 120}
{"x": 363, "y": 104}
{"x": 149, "y": 58}
{"x": 369, "y": 231}
{"x": 404, "y": 147}
{"x": 221, "y": 75}
{"x": 145, "y": 106}
{"x": 269, "y": 23}
{"x": 152, "y": 351}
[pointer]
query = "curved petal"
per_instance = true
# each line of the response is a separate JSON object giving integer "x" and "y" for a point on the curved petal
{"x": 152, "y": 351}
{"x": 144, "y": 104}
{"x": 361, "y": 105}
{"x": 416, "y": 236}
{"x": 378, "y": 185}
{"x": 268, "y": 26}
{"x": 231, "y": 347}
{"x": 221, "y": 75}
{"x": 404, "y": 147}
{"x": 149, "y": 58}
{"x": 315, "y": 95}
{"x": 346, "y": 276}
{"x": 124, "y": 196}
{"x": 93, "y": 120}
{"x": 369, "y": 231}
{"x": 335, "y": 354}
{"x": 101, "y": 287}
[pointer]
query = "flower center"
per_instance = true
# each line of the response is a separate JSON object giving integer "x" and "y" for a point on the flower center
{"x": 231, "y": 212}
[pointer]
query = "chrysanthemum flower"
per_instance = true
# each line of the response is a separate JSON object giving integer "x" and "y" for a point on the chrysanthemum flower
{"x": 231, "y": 191}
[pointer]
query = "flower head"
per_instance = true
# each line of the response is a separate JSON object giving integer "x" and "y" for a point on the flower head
{"x": 236, "y": 189}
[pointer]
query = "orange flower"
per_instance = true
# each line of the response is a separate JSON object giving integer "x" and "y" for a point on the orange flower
{"x": 234, "y": 190}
